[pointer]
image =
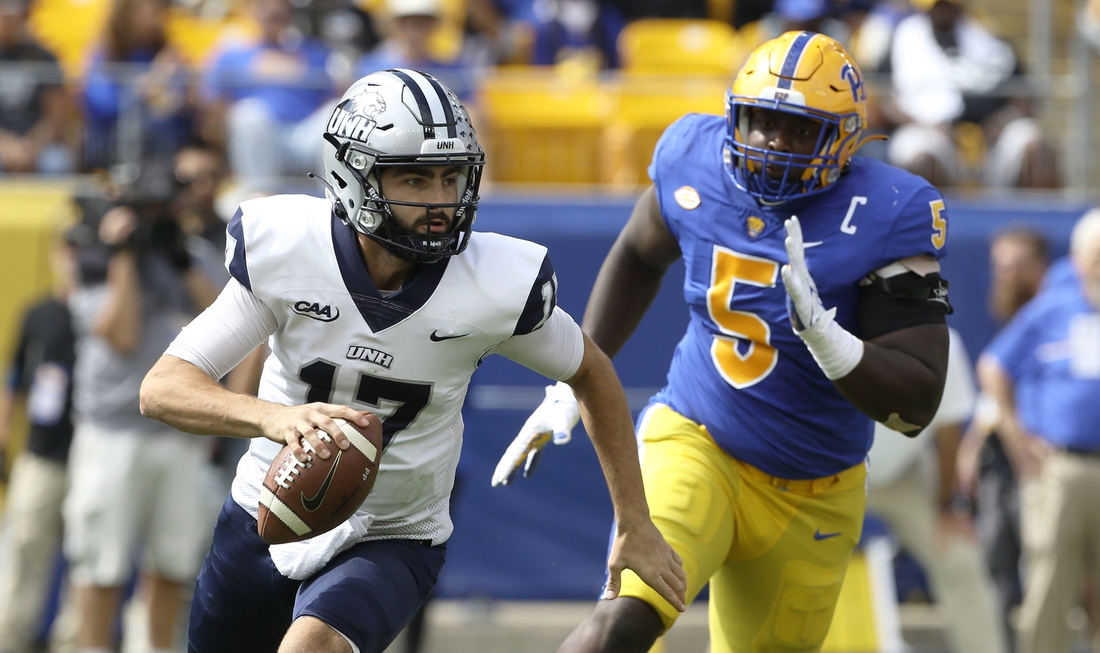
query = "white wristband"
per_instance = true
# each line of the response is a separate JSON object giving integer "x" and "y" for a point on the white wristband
{"x": 836, "y": 351}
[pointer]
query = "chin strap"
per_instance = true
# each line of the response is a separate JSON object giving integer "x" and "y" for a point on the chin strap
{"x": 340, "y": 207}
{"x": 867, "y": 139}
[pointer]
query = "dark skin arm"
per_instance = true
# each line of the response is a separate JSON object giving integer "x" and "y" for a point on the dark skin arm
{"x": 898, "y": 382}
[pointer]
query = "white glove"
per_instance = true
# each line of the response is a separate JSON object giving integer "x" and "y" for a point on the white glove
{"x": 836, "y": 351}
{"x": 553, "y": 420}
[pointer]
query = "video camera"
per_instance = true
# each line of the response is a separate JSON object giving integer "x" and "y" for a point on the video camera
{"x": 152, "y": 197}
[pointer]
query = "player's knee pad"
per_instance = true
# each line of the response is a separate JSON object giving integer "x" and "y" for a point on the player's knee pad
{"x": 803, "y": 608}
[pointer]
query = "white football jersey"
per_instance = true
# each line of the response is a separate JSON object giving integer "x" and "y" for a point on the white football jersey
{"x": 407, "y": 357}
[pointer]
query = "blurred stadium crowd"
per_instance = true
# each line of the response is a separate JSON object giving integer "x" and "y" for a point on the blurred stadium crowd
{"x": 180, "y": 109}
{"x": 572, "y": 91}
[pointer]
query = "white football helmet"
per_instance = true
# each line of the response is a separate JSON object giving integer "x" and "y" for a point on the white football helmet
{"x": 400, "y": 117}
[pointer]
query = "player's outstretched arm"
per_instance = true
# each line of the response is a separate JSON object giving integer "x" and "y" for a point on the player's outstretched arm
{"x": 638, "y": 544}
{"x": 186, "y": 398}
{"x": 630, "y": 276}
{"x": 625, "y": 287}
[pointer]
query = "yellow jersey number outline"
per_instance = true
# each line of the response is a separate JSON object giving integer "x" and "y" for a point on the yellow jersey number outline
{"x": 939, "y": 223}
{"x": 728, "y": 268}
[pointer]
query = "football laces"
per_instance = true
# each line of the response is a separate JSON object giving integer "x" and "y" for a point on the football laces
{"x": 292, "y": 467}
{"x": 290, "y": 470}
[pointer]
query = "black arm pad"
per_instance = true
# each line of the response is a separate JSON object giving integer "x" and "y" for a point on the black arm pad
{"x": 902, "y": 301}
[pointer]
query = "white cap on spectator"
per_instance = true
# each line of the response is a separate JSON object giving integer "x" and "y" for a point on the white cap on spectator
{"x": 400, "y": 8}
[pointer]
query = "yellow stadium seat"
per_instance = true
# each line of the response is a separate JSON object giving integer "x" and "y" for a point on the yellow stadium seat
{"x": 678, "y": 46}
{"x": 642, "y": 107}
{"x": 68, "y": 28}
{"x": 197, "y": 38}
{"x": 542, "y": 127}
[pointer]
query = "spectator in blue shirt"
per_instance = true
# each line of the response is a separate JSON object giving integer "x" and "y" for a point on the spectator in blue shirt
{"x": 1043, "y": 370}
{"x": 136, "y": 93}
{"x": 568, "y": 29}
{"x": 407, "y": 45}
{"x": 271, "y": 98}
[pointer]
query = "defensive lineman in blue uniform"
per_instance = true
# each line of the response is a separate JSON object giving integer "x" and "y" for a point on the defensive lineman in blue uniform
{"x": 753, "y": 454}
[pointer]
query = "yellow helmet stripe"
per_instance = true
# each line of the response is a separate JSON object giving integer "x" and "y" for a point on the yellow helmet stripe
{"x": 794, "y": 57}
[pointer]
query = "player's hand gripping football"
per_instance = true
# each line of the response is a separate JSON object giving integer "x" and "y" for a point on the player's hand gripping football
{"x": 297, "y": 426}
{"x": 553, "y": 420}
{"x": 836, "y": 351}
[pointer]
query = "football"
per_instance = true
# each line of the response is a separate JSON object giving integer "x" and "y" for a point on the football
{"x": 302, "y": 500}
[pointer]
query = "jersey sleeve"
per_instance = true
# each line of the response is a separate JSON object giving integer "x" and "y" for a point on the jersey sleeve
{"x": 671, "y": 149}
{"x": 920, "y": 228}
{"x": 17, "y": 375}
{"x": 222, "y": 335}
{"x": 555, "y": 350}
{"x": 236, "y": 262}
{"x": 540, "y": 301}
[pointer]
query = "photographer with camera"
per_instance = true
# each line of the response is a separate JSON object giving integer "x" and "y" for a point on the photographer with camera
{"x": 133, "y": 479}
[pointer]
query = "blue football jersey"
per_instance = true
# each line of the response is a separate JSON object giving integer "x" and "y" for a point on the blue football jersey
{"x": 740, "y": 370}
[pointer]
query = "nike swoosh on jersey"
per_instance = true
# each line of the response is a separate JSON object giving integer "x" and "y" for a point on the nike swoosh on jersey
{"x": 435, "y": 337}
{"x": 824, "y": 536}
{"x": 313, "y": 503}
{"x": 813, "y": 244}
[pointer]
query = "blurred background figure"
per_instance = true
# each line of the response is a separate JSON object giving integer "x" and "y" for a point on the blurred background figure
{"x": 33, "y": 104}
{"x": 1043, "y": 371}
{"x": 635, "y": 9}
{"x": 41, "y": 387}
{"x": 952, "y": 75}
{"x": 583, "y": 31}
{"x": 1019, "y": 257}
{"x": 1090, "y": 23}
{"x": 787, "y": 15}
{"x": 408, "y": 44}
{"x": 200, "y": 172}
{"x": 133, "y": 480}
{"x": 268, "y": 100}
{"x": 136, "y": 95}
{"x": 911, "y": 485}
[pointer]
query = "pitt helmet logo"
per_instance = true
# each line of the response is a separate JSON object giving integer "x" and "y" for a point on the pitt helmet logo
{"x": 849, "y": 74}
{"x": 754, "y": 226}
{"x": 315, "y": 311}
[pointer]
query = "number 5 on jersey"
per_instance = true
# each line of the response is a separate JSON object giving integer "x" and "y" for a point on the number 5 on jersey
{"x": 728, "y": 268}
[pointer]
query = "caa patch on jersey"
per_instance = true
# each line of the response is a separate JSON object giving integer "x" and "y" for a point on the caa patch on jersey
{"x": 302, "y": 500}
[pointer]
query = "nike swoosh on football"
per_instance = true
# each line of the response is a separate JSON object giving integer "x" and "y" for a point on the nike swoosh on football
{"x": 313, "y": 503}
{"x": 435, "y": 337}
{"x": 813, "y": 244}
{"x": 824, "y": 536}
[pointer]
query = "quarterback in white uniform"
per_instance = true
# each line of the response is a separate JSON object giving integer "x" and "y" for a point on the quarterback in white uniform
{"x": 381, "y": 299}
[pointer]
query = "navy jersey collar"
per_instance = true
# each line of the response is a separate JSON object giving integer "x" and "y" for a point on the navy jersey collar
{"x": 380, "y": 313}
